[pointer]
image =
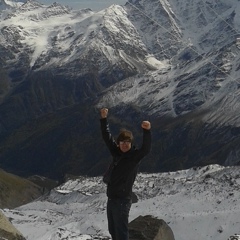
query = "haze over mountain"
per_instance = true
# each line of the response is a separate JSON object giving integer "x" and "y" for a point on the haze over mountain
{"x": 175, "y": 63}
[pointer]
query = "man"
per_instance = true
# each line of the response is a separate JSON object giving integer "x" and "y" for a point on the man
{"x": 126, "y": 159}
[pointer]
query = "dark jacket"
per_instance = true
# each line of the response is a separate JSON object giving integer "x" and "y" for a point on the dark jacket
{"x": 124, "y": 173}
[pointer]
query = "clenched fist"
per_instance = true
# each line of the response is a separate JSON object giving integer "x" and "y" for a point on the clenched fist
{"x": 104, "y": 112}
{"x": 146, "y": 125}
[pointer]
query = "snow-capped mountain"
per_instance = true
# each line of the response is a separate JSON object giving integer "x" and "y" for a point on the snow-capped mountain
{"x": 173, "y": 62}
{"x": 5, "y": 4}
{"x": 198, "y": 203}
{"x": 199, "y": 72}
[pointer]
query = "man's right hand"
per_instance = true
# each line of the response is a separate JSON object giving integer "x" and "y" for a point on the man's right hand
{"x": 104, "y": 112}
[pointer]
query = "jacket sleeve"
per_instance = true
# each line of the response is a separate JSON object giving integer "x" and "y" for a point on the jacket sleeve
{"x": 107, "y": 136}
{"x": 146, "y": 144}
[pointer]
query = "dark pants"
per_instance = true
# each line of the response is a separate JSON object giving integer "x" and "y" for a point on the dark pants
{"x": 117, "y": 214}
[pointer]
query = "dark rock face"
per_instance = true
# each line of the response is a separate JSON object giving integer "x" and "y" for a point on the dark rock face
{"x": 149, "y": 228}
{"x": 184, "y": 145}
{"x": 69, "y": 141}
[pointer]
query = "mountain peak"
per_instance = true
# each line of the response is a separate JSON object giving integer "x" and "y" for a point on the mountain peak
{"x": 58, "y": 9}
{"x": 5, "y": 4}
{"x": 30, "y": 5}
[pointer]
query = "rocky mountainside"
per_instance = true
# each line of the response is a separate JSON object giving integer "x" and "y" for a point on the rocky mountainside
{"x": 172, "y": 62}
{"x": 16, "y": 191}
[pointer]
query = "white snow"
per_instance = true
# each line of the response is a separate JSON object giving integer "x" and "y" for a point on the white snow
{"x": 158, "y": 64}
{"x": 198, "y": 204}
{"x": 14, "y": 3}
{"x": 39, "y": 31}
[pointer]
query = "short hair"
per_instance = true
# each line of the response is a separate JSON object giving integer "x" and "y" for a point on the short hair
{"x": 125, "y": 135}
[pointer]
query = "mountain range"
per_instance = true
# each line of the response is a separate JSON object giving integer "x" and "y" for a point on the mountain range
{"x": 171, "y": 62}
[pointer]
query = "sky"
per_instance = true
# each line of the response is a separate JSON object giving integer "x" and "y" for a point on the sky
{"x": 197, "y": 204}
{"x": 95, "y": 5}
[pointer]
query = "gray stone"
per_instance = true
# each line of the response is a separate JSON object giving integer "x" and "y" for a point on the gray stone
{"x": 7, "y": 230}
{"x": 149, "y": 228}
{"x": 234, "y": 237}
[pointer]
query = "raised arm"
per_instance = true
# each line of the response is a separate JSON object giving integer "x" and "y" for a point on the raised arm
{"x": 147, "y": 138}
{"x": 106, "y": 134}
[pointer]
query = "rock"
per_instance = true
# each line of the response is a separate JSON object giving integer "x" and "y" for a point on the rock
{"x": 134, "y": 198}
{"x": 7, "y": 230}
{"x": 149, "y": 228}
{"x": 235, "y": 237}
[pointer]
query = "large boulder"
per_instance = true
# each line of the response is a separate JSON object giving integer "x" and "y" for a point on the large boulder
{"x": 7, "y": 230}
{"x": 234, "y": 237}
{"x": 149, "y": 228}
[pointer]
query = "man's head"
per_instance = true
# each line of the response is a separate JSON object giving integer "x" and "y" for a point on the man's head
{"x": 124, "y": 140}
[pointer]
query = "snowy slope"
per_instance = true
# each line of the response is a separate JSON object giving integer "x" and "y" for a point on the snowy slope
{"x": 67, "y": 34}
{"x": 4, "y": 4}
{"x": 198, "y": 204}
{"x": 201, "y": 74}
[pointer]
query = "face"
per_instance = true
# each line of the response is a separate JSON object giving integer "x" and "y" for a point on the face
{"x": 125, "y": 146}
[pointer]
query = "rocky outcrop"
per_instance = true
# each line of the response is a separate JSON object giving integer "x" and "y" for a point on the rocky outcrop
{"x": 7, "y": 230}
{"x": 149, "y": 228}
{"x": 17, "y": 191}
{"x": 234, "y": 237}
